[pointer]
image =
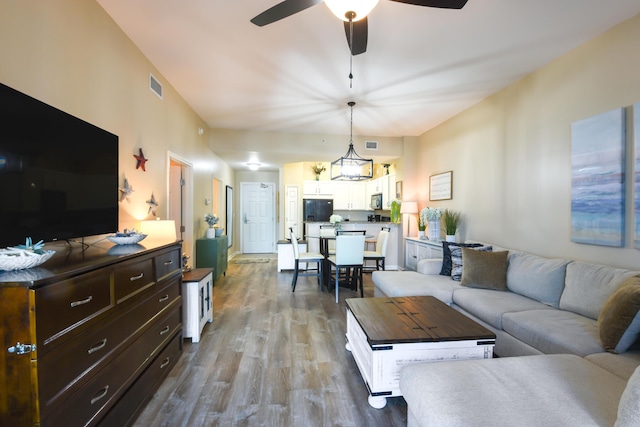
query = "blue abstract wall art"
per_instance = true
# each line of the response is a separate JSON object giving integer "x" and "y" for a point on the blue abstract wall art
{"x": 636, "y": 188}
{"x": 597, "y": 179}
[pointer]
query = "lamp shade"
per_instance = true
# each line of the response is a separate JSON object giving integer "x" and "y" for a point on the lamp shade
{"x": 159, "y": 229}
{"x": 409, "y": 208}
{"x": 341, "y": 8}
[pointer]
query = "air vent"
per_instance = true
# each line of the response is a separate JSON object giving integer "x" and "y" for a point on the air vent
{"x": 155, "y": 86}
{"x": 371, "y": 145}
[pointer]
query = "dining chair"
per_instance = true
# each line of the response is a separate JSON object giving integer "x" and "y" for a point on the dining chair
{"x": 352, "y": 232}
{"x": 331, "y": 244}
{"x": 349, "y": 257}
{"x": 373, "y": 240}
{"x": 380, "y": 253}
{"x": 305, "y": 257}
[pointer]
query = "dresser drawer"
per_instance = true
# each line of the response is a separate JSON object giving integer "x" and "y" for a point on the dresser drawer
{"x": 66, "y": 365}
{"x": 93, "y": 398}
{"x": 64, "y": 305}
{"x": 133, "y": 277}
{"x": 167, "y": 263}
{"x": 140, "y": 392}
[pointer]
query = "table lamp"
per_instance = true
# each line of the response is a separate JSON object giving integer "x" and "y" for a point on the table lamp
{"x": 159, "y": 229}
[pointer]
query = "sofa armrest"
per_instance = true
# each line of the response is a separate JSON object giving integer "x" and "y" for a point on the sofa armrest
{"x": 430, "y": 266}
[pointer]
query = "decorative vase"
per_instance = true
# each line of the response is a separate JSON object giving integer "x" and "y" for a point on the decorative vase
{"x": 337, "y": 227}
{"x": 421, "y": 234}
{"x": 434, "y": 230}
{"x": 210, "y": 233}
{"x": 219, "y": 231}
{"x": 451, "y": 238}
{"x": 317, "y": 177}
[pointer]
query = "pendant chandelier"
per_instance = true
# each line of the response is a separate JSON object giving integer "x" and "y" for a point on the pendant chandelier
{"x": 351, "y": 167}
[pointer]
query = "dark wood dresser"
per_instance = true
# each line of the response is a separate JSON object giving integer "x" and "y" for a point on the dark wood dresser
{"x": 89, "y": 335}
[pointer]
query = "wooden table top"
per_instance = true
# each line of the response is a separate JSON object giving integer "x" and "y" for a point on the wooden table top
{"x": 413, "y": 319}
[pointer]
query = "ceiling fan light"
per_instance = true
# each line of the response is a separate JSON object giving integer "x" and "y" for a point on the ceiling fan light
{"x": 361, "y": 8}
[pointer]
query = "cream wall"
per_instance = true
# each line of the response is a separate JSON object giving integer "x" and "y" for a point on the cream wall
{"x": 510, "y": 154}
{"x": 71, "y": 55}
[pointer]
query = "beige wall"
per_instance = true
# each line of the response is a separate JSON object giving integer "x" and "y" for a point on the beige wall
{"x": 70, "y": 54}
{"x": 510, "y": 154}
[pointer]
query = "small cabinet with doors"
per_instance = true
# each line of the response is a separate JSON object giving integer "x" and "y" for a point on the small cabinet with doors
{"x": 350, "y": 196}
{"x": 417, "y": 249}
{"x": 213, "y": 253}
{"x": 197, "y": 306}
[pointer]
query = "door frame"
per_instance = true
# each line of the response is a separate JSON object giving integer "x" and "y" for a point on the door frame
{"x": 187, "y": 201}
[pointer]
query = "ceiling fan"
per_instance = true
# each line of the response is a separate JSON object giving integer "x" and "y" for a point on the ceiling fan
{"x": 353, "y": 12}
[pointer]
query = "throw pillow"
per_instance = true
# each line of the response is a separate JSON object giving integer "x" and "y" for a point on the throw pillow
{"x": 485, "y": 270}
{"x": 446, "y": 255}
{"x": 456, "y": 260}
{"x": 619, "y": 319}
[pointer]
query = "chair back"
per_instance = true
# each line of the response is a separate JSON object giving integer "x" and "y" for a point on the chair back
{"x": 349, "y": 250}
{"x": 352, "y": 232}
{"x": 329, "y": 232}
{"x": 294, "y": 244}
{"x": 387, "y": 229}
{"x": 381, "y": 244}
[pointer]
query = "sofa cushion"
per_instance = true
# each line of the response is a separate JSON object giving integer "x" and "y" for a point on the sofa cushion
{"x": 456, "y": 260}
{"x": 446, "y": 254}
{"x": 483, "y": 269}
{"x": 619, "y": 319}
{"x": 587, "y": 287}
{"x": 549, "y": 390}
{"x": 629, "y": 406}
{"x": 554, "y": 331}
{"x": 489, "y": 306}
{"x": 410, "y": 283}
{"x": 622, "y": 365}
{"x": 541, "y": 279}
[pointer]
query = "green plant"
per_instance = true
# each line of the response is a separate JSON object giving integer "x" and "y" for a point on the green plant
{"x": 451, "y": 221}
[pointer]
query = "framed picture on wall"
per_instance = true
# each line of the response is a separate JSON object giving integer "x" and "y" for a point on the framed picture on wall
{"x": 399, "y": 190}
{"x": 440, "y": 186}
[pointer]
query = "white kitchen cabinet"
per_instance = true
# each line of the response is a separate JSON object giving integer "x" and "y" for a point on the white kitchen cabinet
{"x": 318, "y": 189}
{"x": 388, "y": 186}
{"x": 350, "y": 196}
{"x": 417, "y": 249}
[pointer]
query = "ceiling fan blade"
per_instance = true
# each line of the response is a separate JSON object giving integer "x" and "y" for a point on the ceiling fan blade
{"x": 282, "y": 10}
{"x": 445, "y": 4}
{"x": 360, "y": 36}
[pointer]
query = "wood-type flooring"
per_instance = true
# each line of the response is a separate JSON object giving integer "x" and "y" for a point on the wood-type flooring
{"x": 270, "y": 358}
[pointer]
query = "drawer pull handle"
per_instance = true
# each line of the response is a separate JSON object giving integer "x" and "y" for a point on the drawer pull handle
{"x": 82, "y": 301}
{"x": 138, "y": 277}
{"x": 164, "y": 298}
{"x": 168, "y": 262}
{"x": 165, "y": 330}
{"x": 98, "y": 346}
{"x": 101, "y": 394}
{"x": 164, "y": 363}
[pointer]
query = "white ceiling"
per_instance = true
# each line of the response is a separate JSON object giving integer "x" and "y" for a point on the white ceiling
{"x": 422, "y": 65}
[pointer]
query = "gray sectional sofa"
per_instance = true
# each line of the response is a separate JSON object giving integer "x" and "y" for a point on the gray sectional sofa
{"x": 573, "y": 326}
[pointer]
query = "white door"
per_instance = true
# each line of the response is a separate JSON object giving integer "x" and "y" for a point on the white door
{"x": 292, "y": 211}
{"x": 258, "y": 217}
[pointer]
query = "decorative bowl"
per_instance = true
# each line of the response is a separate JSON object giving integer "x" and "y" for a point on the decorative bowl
{"x": 131, "y": 239}
{"x": 12, "y": 259}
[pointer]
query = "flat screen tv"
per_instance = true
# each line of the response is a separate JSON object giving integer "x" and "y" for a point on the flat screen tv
{"x": 58, "y": 174}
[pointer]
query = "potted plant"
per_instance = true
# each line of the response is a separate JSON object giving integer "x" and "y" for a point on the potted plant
{"x": 213, "y": 230}
{"x": 422, "y": 225}
{"x": 318, "y": 168}
{"x": 451, "y": 221}
{"x": 431, "y": 216}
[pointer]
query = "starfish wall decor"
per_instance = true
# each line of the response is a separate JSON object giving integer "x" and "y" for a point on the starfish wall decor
{"x": 140, "y": 160}
{"x": 126, "y": 191}
{"x": 153, "y": 205}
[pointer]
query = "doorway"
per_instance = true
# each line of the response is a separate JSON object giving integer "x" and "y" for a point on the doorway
{"x": 180, "y": 199}
{"x": 257, "y": 217}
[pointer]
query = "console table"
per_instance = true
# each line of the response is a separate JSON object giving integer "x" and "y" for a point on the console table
{"x": 417, "y": 249}
{"x": 89, "y": 335}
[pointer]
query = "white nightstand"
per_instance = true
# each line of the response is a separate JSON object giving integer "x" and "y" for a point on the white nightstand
{"x": 197, "y": 303}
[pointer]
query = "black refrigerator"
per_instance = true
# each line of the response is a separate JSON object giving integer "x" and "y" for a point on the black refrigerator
{"x": 317, "y": 209}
